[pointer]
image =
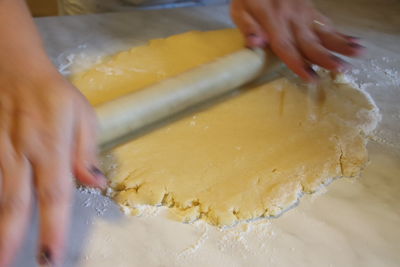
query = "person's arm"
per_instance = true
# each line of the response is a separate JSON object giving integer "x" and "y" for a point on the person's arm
{"x": 47, "y": 134}
{"x": 298, "y": 33}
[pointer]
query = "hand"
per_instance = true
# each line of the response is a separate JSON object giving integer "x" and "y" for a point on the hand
{"x": 47, "y": 134}
{"x": 296, "y": 32}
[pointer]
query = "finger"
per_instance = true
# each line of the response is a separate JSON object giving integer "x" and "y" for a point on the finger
{"x": 354, "y": 42}
{"x": 337, "y": 42}
{"x": 281, "y": 42}
{"x": 333, "y": 40}
{"x": 254, "y": 34}
{"x": 15, "y": 195}
{"x": 54, "y": 185}
{"x": 54, "y": 189}
{"x": 85, "y": 157}
{"x": 289, "y": 54}
{"x": 314, "y": 51}
{"x": 285, "y": 48}
{"x": 15, "y": 200}
{"x": 269, "y": 16}
{"x": 349, "y": 37}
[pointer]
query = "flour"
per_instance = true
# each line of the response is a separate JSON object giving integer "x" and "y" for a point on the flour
{"x": 77, "y": 59}
{"x": 191, "y": 249}
{"x": 376, "y": 75}
{"x": 246, "y": 239}
{"x": 95, "y": 200}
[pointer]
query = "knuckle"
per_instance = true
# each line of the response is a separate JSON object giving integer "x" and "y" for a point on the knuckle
{"x": 23, "y": 112}
{"x": 54, "y": 192}
{"x": 52, "y": 195}
{"x": 49, "y": 141}
{"x": 305, "y": 39}
{"x": 281, "y": 44}
{"x": 319, "y": 53}
{"x": 11, "y": 159}
{"x": 57, "y": 106}
{"x": 306, "y": 36}
{"x": 13, "y": 205}
{"x": 50, "y": 144}
{"x": 40, "y": 154}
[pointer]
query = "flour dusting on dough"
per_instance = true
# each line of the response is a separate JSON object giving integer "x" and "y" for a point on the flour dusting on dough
{"x": 250, "y": 156}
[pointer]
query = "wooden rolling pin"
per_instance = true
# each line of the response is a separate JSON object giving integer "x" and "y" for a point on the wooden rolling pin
{"x": 127, "y": 114}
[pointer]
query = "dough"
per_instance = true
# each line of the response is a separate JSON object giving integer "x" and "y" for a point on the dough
{"x": 162, "y": 58}
{"x": 250, "y": 156}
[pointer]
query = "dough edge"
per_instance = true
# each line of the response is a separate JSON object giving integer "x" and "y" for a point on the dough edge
{"x": 352, "y": 161}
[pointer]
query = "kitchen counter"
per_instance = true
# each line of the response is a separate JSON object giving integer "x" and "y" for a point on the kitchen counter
{"x": 353, "y": 222}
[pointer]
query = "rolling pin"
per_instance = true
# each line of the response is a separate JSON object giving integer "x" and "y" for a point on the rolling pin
{"x": 133, "y": 111}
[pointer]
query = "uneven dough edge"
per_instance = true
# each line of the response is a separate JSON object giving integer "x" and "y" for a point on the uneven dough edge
{"x": 353, "y": 158}
{"x": 133, "y": 189}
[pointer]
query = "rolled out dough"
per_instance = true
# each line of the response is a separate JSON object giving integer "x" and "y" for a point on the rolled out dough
{"x": 250, "y": 156}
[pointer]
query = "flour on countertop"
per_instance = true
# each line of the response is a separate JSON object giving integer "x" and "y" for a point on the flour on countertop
{"x": 370, "y": 75}
{"x": 77, "y": 59}
{"x": 187, "y": 252}
{"x": 94, "y": 199}
{"x": 243, "y": 236}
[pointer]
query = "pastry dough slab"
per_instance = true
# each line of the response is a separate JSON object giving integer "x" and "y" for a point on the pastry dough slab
{"x": 250, "y": 156}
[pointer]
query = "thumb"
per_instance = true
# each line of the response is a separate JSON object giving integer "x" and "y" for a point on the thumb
{"x": 252, "y": 31}
{"x": 85, "y": 157}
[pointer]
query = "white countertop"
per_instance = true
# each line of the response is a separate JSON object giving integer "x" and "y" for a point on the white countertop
{"x": 355, "y": 223}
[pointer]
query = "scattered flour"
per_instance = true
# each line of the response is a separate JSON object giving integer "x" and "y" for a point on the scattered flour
{"x": 76, "y": 60}
{"x": 94, "y": 199}
{"x": 381, "y": 78}
{"x": 244, "y": 237}
{"x": 191, "y": 249}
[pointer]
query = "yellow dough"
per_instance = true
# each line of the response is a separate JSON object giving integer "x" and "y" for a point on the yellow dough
{"x": 161, "y": 58}
{"x": 252, "y": 155}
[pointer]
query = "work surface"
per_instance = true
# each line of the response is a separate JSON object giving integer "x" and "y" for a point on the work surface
{"x": 355, "y": 223}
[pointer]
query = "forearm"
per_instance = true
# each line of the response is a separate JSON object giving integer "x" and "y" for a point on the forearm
{"x": 21, "y": 48}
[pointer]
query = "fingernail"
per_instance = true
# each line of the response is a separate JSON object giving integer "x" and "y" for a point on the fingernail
{"x": 337, "y": 59}
{"x": 355, "y": 45}
{"x": 311, "y": 72}
{"x": 96, "y": 172}
{"x": 255, "y": 41}
{"x": 353, "y": 38}
{"x": 100, "y": 177}
{"x": 45, "y": 257}
{"x": 343, "y": 65}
